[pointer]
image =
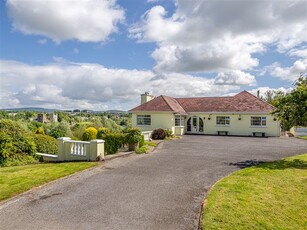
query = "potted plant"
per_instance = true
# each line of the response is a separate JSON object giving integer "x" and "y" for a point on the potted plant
{"x": 134, "y": 136}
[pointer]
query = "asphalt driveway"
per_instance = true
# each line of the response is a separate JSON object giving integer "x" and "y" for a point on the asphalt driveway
{"x": 161, "y": 190}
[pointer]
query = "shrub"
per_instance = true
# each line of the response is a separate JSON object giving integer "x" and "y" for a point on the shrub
{"x": 45, "y": 144}
{"x": 142, "y": 141}
{"x": 40, "y": 130}
{"x": 89, "y": 134}
{"x": 168, "y": 133}
{"x": 102, "y": 131}
{"x": 18, "y": 160}
{"x": 58, "y": 129}
{"x": 15, "y": 141}
{"x": 134, "y": 135}
{"x": 158, "y": 134}
{"x": 113, "y": 141}
{"x": 142, "y": 149}
{"x": 78, "y": 130}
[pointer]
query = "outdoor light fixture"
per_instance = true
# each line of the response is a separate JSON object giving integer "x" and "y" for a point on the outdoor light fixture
{"x": 239, "y": 117}
{"x": 209, "y": 118}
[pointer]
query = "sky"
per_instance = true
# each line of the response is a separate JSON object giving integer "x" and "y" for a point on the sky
{"x": 102, "y": 54}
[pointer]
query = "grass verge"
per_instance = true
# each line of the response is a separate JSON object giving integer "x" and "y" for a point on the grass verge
{"x": 303, "y": 137}
{"x": 17, "y": 179}
{"x": 268, "y": 196}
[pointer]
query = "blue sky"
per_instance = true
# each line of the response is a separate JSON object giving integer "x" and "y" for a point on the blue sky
{"x": 100, "y": 54}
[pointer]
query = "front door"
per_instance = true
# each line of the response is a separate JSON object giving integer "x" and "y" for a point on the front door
{"x": 195, "y": 125}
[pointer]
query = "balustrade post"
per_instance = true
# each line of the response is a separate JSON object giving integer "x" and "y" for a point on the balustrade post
{"x": 96, "y": 150}
{"x": 61, "y": 148}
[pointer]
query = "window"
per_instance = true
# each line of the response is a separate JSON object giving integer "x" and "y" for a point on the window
{"x": 222, "y": 120}
{"x": 143, "y": 120}
{"x": 258, "y": 121}
{"x": 179, "y": 120}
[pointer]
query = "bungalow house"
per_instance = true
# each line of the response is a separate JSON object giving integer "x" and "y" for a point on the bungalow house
{"x": 242, "y": 114}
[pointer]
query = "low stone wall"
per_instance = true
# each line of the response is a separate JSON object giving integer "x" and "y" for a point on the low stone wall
{"x": 299, "y": 131}
{"x": 69, "y": 150}
{"x": 147, "y": 135}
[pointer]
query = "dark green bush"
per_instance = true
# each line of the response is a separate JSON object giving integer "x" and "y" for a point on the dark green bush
{"x": 158, "y": 134}
{"x": 45, "y": 144}
{"x": 113, "y": 141}
{"x": 15, "y": 141}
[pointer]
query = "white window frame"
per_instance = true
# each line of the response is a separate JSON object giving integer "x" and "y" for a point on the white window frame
{"x": 258, "y": 121}
{"x": 181, "y": 120}
{"x": 223, "y": 120}
{"x": 143, "y": 120}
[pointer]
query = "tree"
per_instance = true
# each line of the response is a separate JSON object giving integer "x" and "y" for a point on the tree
{"x": 291, "y": 108}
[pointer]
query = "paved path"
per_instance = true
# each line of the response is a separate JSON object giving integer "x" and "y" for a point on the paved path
{"x": 161, "y": 190}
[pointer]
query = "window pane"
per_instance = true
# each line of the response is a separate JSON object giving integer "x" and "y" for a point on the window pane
{"x": 222, "y": 120}
{"x": 258, "y": 121}
{"x": 143, "y": 120}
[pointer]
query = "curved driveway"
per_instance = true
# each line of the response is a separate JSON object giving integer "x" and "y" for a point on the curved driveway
{"x": 161, "y": 190}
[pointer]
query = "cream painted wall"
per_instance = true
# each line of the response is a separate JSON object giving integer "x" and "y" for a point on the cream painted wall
{"x": 158, "y": 120}
{"x": 236, "y": 127}
{"x": 239, "y": 127}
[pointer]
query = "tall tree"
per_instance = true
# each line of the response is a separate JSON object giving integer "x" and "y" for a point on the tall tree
{"x": 291, "y": 108}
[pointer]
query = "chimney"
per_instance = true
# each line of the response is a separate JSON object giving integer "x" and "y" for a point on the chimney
{"x": 258, "y": 93}
{"x": 146, "y": 98}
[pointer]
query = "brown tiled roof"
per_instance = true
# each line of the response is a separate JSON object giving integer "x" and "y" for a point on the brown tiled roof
{"x": 242, "y": 102}
{"x": 160, "y": 104}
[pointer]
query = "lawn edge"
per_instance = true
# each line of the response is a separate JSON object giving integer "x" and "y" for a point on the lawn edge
{"x": 205, "y": 200}
{"x": 15, "y": 198}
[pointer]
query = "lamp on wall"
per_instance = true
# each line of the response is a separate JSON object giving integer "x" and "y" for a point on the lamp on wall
{"x": 209, "y": 118}
{"x": 239, "y": 117}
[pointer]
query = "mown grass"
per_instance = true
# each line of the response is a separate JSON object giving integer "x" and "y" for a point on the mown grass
{"x": 17, "y": 179}
{"x": 303, "y": 137}
{"x": 267, "y": 196}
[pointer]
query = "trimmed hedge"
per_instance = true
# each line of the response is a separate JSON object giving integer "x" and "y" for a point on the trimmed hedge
{"x": 45, "y": 144}
{"x": 113, "y": 141}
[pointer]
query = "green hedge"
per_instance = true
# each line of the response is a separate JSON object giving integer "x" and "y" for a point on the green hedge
{"x": 113, "y": 141}
{"x": 45, "y": 144}
{"x": 15, "y": 141}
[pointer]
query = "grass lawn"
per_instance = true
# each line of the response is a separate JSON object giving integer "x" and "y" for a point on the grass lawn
{"x": 303, "y": 137}
{"x": 267, "y": 196}
{"x": 17, "y": 179}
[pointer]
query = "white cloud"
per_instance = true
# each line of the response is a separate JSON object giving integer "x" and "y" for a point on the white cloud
{"x": 66, "y": 84}
{"x": 214, "y": 36}
{"x": 83, "y": 20}
{"x": 235, "y": 77}
{"x": 290, "y": 73}
{"x": 263, "y": 90}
